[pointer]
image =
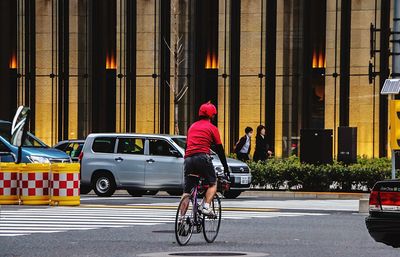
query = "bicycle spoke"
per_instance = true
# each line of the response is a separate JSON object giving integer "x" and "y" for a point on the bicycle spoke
{"x": 211, "y": 224}
{"x": 184, "y": 221}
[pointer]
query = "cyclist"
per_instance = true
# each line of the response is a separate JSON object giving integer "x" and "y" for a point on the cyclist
{"x": 201, "y": 135}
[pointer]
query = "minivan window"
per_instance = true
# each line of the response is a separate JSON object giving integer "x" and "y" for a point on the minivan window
{"x": 130, "y": 146}
{"x": 160, "y": 147}
{"x": 104, "y": 145}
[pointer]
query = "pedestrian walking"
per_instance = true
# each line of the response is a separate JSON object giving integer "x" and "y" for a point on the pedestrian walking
{"x": 262, "y": 151}
{"x": 243, "y": 146}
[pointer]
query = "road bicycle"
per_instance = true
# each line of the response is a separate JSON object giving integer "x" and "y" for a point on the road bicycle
{"x": 189, "y": 218}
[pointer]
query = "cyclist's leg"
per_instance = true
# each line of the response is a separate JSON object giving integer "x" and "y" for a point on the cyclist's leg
{"x": 189, "y": 183}
{"x": 211, "y": 180}
{"x": 211, "y": 191}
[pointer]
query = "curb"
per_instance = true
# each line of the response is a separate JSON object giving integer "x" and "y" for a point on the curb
{"x": 284, "y": 194}
{"x": 306, "y": 195}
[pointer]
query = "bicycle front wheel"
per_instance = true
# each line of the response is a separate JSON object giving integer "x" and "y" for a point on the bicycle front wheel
{"x": 211, "y": 224}
{"x": 184, "y": 221}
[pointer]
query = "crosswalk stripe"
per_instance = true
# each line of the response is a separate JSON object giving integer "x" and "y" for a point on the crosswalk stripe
{"x": 19, "y": 222}
{"x": 11, "y": 235}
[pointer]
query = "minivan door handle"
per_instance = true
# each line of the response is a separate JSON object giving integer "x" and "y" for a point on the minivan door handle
{"x": 119, "y": 159}
{"x": 150, "y": 161}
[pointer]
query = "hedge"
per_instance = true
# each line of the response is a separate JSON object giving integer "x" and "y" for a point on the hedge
{"x": 291, "y": 174}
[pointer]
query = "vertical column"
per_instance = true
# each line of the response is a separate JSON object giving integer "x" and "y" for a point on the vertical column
{"x": 63, "y": 69}
{"x": 234, "y": 79}
{"x": 270, "y": 71}
{"x": 345, "y": 36}
{"x": 83, "y": 58}
{"x": 30, "y": 60}
{"x": 165, "y": 41}
{"x": 131, "y": 65}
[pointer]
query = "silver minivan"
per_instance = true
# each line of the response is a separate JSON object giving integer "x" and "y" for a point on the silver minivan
{"x": 144, "y": 163}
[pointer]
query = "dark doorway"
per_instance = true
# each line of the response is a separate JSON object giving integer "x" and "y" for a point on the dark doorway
{"x": 8, "y": 59}
{"x": 205, "y": 53}
{"x": 313, "y": 93}
{"x": 104, "y": 65}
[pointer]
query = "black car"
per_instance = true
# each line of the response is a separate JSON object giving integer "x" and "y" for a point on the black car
{"x": 72, "y": 147}
{"x": 383, "y": 222}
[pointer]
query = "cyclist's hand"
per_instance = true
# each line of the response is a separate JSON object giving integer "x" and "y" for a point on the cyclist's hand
{"x": 228, "y": 176}
{"x": 226, "y": 169}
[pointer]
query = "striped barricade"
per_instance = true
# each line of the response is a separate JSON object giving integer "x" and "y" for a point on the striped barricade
{"x": 9, "y": 183}
{"x": 65, "y": 184}
{"x": 34, "y": 184}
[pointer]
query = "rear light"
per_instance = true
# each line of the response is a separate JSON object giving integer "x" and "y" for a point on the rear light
{"x": 384, "y": 200}
{"x": 80, "y": 156}
{"x": 390, "y": 201}
{"x": 374, "y": 204}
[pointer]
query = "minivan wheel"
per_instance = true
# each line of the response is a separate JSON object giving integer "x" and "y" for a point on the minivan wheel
{"x": 232, "y": 194}
{"x": 104, "y": 185}
{"x": 136, "y": 193}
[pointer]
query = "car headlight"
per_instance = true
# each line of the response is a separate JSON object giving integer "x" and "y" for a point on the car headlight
{"x": 38, "y": 159}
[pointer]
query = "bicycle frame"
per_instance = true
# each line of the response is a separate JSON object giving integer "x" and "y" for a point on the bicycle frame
{"x": 195, "y": 205}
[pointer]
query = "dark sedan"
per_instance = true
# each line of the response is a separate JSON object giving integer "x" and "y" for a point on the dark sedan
{"x": 72, "y": 147}
{"x": 383, "y": 222}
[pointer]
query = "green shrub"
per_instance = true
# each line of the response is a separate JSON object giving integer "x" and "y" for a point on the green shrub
{"x": 291, "y": 174}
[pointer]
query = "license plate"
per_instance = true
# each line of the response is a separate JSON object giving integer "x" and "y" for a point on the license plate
{"x": 244, "y": 180}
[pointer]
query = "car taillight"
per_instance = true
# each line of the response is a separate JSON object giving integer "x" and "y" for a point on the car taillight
{"x": 80, "y": 156}
{"x": 374, "y": 201}
{"x": 390, "y": 200}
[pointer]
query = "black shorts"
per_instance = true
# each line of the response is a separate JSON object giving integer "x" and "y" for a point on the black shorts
{"x": 200, "y": 164}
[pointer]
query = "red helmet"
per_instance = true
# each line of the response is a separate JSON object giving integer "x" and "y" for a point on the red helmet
{"x": 207, "y": 110}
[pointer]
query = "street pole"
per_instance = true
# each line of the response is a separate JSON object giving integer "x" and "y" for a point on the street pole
{"x": 395, "y": 61}
{"x": 396, "y": 40}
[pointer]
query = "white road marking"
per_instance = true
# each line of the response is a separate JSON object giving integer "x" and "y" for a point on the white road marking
{"x": 27, "y": 221}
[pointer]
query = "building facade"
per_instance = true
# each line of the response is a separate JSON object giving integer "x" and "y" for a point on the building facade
{"x": 145, "y": 66}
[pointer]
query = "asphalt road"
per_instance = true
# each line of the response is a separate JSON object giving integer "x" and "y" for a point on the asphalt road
{"x": 125, "y": 226}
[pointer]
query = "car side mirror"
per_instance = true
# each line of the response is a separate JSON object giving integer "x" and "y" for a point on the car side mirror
{"x": 19, "y": 130}
{"x": 175, "y": 153}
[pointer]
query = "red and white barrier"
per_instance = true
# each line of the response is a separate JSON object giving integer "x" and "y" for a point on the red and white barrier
{"x": 65, "y": 184}
{"x": 34, "y": 184}
{"x": 9, "y": 183}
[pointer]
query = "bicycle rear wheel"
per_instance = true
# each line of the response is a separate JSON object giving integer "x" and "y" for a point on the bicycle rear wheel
{"x": 211, "y": 224}
{"x": 184, "y": 221}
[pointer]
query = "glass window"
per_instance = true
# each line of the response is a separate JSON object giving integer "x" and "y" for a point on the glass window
{"x": 130, "y": 146}
{"x": 160, "y": 148}
{"x": 62, "y": 147}
{"x": 104, "y": 145}
{"x": 30, "y": 141}
{"x": 4, "y": 148}
{"x": 180, "y": 141}
{"x": 74, "y": 149}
